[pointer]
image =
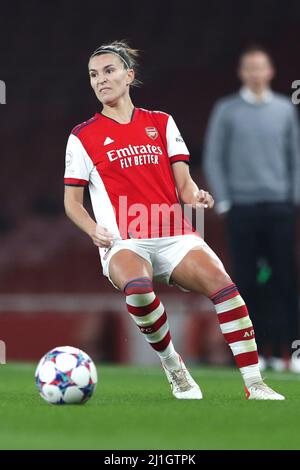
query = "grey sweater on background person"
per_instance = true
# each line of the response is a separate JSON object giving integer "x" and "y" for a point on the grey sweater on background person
{"x": 251, "y": 151}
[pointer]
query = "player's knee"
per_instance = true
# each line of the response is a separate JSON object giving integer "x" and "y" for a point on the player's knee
{"x": 139, "y": 285}
{"x": 220, "y": 278}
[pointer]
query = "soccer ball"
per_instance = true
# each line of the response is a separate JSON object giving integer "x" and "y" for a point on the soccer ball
{"x": 66, "y": 375}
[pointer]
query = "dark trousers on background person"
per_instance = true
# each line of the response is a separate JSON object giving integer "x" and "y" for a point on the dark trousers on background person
{"x": 268, "y": 231}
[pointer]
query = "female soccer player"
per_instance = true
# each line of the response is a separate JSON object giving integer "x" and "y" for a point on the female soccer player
{"x": 134, "y": 162}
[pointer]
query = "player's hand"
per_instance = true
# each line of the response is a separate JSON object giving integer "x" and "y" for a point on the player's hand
{"x": 102, "y": 237}
{"x": 202, "y": 199}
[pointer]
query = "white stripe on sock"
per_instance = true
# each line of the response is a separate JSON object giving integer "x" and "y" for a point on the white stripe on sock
{"x": 150, "y": 318}
{"x": 236, "y": 325}
{"x": 140, "y": 300}
{"x": 229, "y": 304}
{"x": 240, "y": 347}
{"x": 158, "y": 335}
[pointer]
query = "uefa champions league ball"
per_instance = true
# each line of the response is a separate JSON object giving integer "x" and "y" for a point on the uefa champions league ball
{"x": 66, "y": 375}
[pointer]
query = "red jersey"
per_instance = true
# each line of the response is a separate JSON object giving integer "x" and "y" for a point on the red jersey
{"x": 128, "y": 169}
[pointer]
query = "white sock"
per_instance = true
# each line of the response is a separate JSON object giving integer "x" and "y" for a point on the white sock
{"x": 251, "y": 374}
{"x": 169, "y": 357}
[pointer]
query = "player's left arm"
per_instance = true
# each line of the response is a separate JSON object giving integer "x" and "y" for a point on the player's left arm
{"x": 188, "y": 191}
{"x": 178, "y": 154}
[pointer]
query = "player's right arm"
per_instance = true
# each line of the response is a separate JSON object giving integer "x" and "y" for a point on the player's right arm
{"x": 73, "y": 202}
{"x": 78, "y": 168}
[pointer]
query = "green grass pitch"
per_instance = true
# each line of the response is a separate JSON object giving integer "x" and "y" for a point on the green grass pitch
{"x": 133, "y": 409}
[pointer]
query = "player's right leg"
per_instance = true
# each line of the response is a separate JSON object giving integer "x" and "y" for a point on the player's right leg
{"x": 132, "y": 274}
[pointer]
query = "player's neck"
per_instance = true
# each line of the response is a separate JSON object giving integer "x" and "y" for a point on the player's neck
{"x": 121, "y": 111}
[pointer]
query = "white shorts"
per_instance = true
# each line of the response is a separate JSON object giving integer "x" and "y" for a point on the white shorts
{"x": 164, "y": 254}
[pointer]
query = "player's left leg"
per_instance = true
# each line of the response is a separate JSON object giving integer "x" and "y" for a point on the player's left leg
{"x": 202, "y": 271}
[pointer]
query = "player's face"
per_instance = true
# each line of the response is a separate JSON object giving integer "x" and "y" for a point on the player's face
{"x": 109, "y": 78}
{"x": 256, "y": 71}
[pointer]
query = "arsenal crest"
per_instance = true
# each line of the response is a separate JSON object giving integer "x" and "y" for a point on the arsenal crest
{"x": 151, "y": 132}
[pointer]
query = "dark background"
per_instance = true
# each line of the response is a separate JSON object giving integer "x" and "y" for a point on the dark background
{"x": 189, "y": 55}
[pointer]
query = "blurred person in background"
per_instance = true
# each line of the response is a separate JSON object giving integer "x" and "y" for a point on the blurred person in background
{"x": 252, "y": 167}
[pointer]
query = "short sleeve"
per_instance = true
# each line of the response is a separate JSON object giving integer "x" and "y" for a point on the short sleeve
{"x": 78, "y": 163}
{"x": 177, "y": 150}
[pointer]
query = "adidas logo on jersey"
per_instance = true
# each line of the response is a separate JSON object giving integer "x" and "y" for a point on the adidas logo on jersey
{"x": 108, "y": 140}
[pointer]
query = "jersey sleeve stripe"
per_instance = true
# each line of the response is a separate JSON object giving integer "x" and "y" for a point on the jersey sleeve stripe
{"x": 75, "y": 182}
{"x": 180, "y": 158}
{"x": 78, "y": 128}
